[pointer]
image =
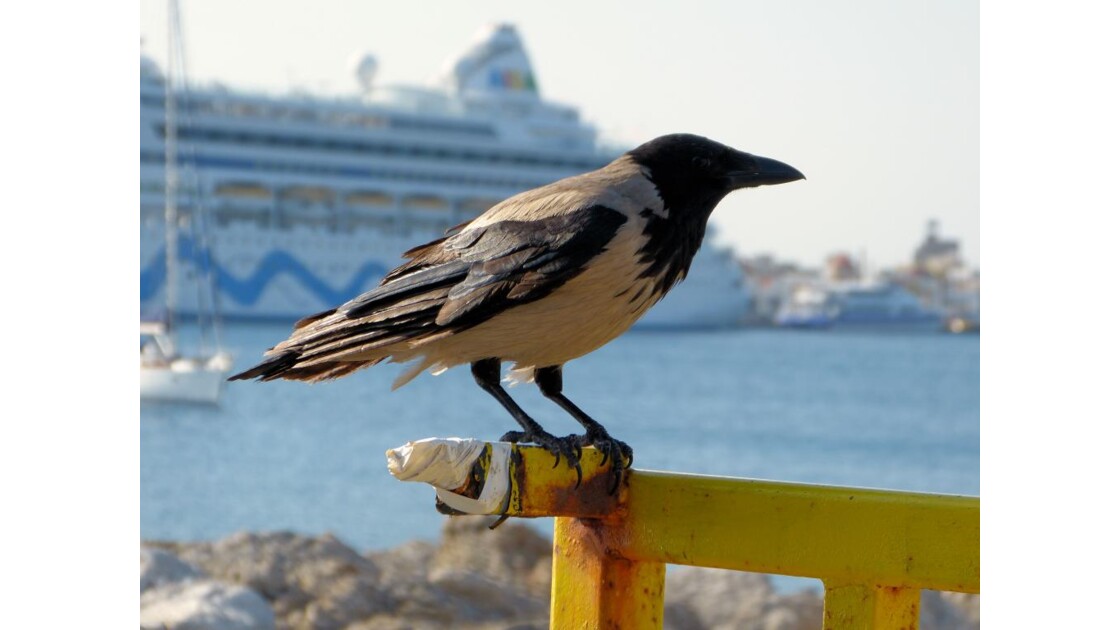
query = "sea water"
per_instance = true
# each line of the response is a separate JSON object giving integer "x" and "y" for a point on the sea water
{"x": 897, "y": 411}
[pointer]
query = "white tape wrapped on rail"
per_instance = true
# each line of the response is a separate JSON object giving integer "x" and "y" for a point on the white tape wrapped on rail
{"x": 445, "y": 463}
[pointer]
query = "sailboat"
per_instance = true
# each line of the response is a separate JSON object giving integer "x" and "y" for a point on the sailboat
{"x": 166, "y": 372}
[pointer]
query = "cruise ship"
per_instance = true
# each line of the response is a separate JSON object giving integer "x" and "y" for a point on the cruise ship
{"x": 297, "y": 203}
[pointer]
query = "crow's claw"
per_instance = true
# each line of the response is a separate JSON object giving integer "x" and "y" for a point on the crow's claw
{"x": 559, "y": 447}
{"x": 618, "y": 453}
{"x": 562, "y": 447}
{"x": 628, "y": 453}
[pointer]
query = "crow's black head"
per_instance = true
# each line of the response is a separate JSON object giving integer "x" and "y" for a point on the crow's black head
{"x": 693, "y": 173}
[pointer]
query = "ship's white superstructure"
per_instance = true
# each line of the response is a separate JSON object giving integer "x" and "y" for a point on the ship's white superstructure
{"x": 310, "y": 201}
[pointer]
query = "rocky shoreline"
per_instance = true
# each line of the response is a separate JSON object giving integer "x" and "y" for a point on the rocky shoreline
{"x": 471, "y": 578}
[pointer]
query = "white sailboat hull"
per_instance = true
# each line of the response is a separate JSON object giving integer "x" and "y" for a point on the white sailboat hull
{"x": 185, "y": 380}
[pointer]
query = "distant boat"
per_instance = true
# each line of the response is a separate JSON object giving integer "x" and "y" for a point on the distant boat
{"x": 882, "y": 306}
{"x": 166, "y": 373}
{"x": 961, "y": 324}
{"x": 807, "y": 307}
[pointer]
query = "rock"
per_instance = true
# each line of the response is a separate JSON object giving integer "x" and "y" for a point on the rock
{"x": 311, "y": 582}
{"x": 514, "y": 556}
{"x": 716, "y": 598}
{"x": 948, "y": 611}
{"x": 480, "y": 598}
{"x": 204, "y": 604}
{"x": 473, "y": 578}
{"x": 804, "y": 609}
{"x": 680, "y": 616}
{"x": 969, "y": 605}
{"x": 406, "y": 563}
{"x": 700, "y": 598}
{"x": 160, "y": 567}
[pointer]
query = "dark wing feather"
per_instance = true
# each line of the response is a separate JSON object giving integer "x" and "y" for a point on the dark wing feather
{"x": 514, "y": 262}
{"x": 450, "y": 284}
{"x": 398, "y": 287}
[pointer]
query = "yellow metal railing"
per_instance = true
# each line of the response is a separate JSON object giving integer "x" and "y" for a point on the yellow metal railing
{"x": 873, "y": 549}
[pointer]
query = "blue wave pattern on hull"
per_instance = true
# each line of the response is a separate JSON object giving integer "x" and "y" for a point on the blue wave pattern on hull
{"x": 248, "y": 291}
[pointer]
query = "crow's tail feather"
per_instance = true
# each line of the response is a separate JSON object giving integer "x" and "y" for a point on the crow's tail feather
{"x": 269, "y": 369}
{"x": 283, "y": 366}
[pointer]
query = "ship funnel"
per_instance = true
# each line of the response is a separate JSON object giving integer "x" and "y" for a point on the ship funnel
{"x": 364, "y": 66}
{"x": 495, "y": 64}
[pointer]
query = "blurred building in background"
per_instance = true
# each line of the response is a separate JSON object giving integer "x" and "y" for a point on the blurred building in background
{"x": 935, "y": 291}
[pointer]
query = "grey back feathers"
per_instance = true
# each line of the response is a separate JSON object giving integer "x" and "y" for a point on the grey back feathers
{"x": 482, "y": 271}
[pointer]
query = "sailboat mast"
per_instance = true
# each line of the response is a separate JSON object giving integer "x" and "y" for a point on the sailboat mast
{"x": 171, "y": 175}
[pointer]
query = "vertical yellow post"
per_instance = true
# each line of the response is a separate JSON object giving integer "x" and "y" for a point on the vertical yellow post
{"x": 594, "y": 588}
{"x": 866, "y": 607}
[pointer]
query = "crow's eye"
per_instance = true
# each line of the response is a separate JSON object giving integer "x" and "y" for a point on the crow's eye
{"x": 701, "y": 162}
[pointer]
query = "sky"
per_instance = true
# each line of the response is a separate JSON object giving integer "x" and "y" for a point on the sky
{"x": 876, "y": 101}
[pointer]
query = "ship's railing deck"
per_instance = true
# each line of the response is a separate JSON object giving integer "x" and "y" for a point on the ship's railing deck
{"x": 874, "y": 550}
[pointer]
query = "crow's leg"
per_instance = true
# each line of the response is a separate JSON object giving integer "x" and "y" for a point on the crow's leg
{"x": 487, "y": 373}
{"x": 551, "y": 382}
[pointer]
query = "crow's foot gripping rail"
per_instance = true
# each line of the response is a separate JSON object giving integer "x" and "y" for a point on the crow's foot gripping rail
{"x": 873, "y": 549}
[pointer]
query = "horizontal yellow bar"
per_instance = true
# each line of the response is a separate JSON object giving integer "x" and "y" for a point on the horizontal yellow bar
{"x": 541, "y": 487}
{"x": 840, "y": 535}
{"x": 843, "y": 536}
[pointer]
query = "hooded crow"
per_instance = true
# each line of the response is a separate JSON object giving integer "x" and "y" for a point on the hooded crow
{"x": 539, "y": 279}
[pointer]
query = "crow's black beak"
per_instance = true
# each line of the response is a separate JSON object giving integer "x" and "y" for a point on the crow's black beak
{"x": 759, "y": 171}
